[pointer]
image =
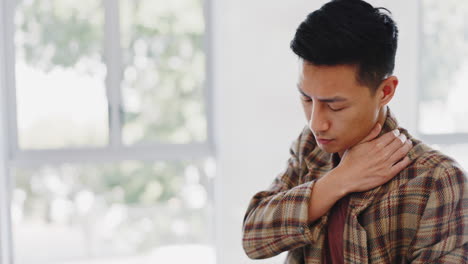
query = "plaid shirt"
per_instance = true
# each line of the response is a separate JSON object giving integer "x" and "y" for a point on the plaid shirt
{"x": 420, "y": 216}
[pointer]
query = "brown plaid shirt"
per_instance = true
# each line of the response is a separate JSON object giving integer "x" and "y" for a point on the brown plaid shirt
{"x": 420, "y": 216}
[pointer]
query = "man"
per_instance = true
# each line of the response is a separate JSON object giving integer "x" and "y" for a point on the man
{"x": 358, "y": 188}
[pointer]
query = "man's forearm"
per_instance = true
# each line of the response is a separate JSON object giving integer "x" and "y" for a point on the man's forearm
{"x": 325, "y": 193}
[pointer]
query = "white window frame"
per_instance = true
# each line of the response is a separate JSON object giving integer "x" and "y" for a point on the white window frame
{"x": 12, "y": 156}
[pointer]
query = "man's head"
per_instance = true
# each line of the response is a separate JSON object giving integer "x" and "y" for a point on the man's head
{"x": 347, "y": 49}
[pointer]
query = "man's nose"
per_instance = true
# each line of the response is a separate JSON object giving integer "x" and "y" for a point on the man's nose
{"x": 318, "y": 120}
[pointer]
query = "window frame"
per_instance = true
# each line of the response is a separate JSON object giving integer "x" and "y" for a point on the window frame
{"x": 115, "y": 150}
{"x": 12, "y": 156}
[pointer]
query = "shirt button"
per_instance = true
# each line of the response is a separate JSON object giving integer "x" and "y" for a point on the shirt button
{"x": 301, "y": 230}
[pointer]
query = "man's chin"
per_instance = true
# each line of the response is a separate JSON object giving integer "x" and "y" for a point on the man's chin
{"x": 332, "y": 147}
{"x": 328, "y": 149}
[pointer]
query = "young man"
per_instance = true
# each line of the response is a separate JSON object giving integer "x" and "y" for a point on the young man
{"x": 358, "y": 188}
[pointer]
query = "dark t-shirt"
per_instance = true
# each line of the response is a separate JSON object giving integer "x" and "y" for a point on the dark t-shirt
{"x": 335, "y": 228}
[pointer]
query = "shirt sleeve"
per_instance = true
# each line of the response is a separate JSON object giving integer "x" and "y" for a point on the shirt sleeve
{"x": 442, "y": 236}
{"x": 277, "y": 218}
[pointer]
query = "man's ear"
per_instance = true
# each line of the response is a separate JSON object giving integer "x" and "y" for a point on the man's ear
{"x": 386, "y": 90}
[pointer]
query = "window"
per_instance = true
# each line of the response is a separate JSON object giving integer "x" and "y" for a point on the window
{"x": 443, "y": 66}
{"x": 102, "y": 213}
{"x": 60, "y": 75}
{"x": 110, "y": 144}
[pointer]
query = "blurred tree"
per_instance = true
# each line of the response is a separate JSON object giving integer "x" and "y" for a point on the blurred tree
{"x": 164, "y": 69}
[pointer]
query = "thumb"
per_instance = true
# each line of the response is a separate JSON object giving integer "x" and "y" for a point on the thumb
{"x": 372, "y": 134}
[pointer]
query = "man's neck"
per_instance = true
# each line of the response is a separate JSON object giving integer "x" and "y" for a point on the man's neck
{"x": 380, "y": 120}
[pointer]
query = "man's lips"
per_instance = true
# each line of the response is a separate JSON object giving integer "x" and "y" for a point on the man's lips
{"x": 324, "y": 141}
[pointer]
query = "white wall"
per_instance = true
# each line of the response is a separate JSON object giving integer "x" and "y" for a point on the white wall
{"x": 257, "y": 108}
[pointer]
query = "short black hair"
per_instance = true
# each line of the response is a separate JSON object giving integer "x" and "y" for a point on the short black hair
{"x": 350, "y": 32}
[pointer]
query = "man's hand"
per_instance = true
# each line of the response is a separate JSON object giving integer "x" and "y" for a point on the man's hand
{"x": 373, "y": 161}
{"x": 370, "y": 163}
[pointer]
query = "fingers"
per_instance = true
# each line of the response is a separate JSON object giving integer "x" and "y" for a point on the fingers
{"x": 387, "y": 138}
{"x": 400, "y": 152}
{"x": 394, "y": 145}
{"x": 372, "y": 134}
{"x": 400, "y": 166}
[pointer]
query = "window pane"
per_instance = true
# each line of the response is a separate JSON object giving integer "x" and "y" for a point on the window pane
{"x": 444, "y": 64}
{"x": 131, "y": 212}
{"x": 60, "y": 74}
{"x": 164, "y": 69}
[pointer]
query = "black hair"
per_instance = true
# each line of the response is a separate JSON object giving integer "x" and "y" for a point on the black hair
{"x": 349, "y": 32}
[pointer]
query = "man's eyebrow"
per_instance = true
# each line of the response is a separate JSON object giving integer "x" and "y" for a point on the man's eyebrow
{"x": 300, "y": 90}
{"x": 325, "y": 100}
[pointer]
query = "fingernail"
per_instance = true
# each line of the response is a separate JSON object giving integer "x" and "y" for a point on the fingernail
{"x": 396, "y": 132}
{"x": 402, "y": 137}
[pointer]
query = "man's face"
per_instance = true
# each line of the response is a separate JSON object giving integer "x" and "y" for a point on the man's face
{"x": 340, "y": 111}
